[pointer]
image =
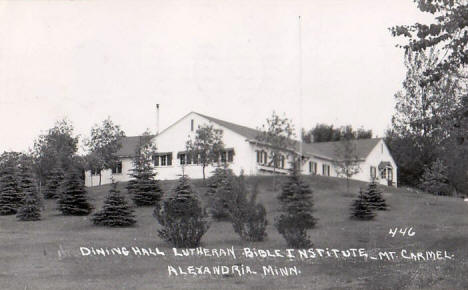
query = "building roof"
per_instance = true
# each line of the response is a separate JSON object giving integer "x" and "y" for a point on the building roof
{"x": 129, "y": 145}
{"x": 363, "y": 147}
{"x": 325, "y": 150}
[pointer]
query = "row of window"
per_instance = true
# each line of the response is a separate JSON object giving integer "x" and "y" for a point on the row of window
{"x": 162, "y": 159}
{"x": 165, "y": 159}
{"x": 313, "y": 168}
{"x": 262, "y": 158}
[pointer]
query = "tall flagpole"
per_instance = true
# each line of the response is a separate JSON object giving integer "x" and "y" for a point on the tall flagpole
{"x": 300, "y": 92}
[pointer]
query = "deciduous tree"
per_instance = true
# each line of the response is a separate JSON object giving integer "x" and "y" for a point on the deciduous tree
{"x": 347, "y": 161}
{"x": 104, "y": 142}
{"x": 207, "y": 145}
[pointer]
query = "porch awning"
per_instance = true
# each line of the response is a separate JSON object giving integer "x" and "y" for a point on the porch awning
{"x": 384, "y": 164}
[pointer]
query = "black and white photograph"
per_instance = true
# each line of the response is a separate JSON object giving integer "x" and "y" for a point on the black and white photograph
{"x": 234, "y": 144}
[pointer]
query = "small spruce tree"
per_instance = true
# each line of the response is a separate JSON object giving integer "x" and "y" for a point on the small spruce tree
{"x": 73, "y": 199}
{"x": 247, "y": 215}
{"x": 219, "y": 190}
{"x": 30, "y": 210}
{"x": 116, "y": 212}
{"x": 182, "y": 217}
{"x": 373, "y": 196}
{"x": 144, "y": 188}
{"x": 54, "y": 181}
{"x": 435, "y": 179}
{"x": 10, "y": 195}
{"x": 361, "y": 209}
{"x": 296, "y": 211}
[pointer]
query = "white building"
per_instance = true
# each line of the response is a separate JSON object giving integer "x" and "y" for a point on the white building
{"x": 244, "y": 153}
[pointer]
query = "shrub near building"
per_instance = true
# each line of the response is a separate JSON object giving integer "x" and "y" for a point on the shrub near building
{"x": 247, "y": 215}
{"x": 182, "y": 217}
{"x": 116, "y": 212}
{"x": 296, "y": 211}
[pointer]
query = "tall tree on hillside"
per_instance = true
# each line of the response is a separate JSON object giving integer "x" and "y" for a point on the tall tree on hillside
{"x": 277, "y": 136}
{"x": 56, "y": 148}
{"x": 449, "y": 31}
{"x": 435, "y": 178}
{"x": 424, "y": 117}
{"x": 73, "y": 200}
{"x": 448, "y": 36}
{"x": 347, "y": 161}
{"x": 104, "y": 142}
{"x": 144, "y": 188}
{"x": 30, "y": 209}
{"x": 207, "y": 144}
{"x": 10, "y": 194}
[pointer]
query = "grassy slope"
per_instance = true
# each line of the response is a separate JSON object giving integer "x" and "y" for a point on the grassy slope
{"x": 29, "y": 250}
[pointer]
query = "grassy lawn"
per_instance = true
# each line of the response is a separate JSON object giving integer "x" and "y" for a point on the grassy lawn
{"x": 46, "y": 254}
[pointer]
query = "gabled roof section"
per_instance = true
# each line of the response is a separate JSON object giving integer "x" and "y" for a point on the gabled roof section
{"x": 130, "y": 144}
{"x": 363, "y": 147}
{"x": 324, "y": 150}
{"x": 247, "y": 132}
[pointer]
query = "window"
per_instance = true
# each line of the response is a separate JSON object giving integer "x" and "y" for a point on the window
{"x": 163, "y": 159}
{"x": 223, "y": 157}
{"x": 373, "y": 172}
{"x": 95, "y": 171}
{"x": 196, "y": 159}
{"x": 182, "y": 159}
{"x": 390, "y": 174}
{"x": 325, "y": 170}
{"x": 191, "y": 125}
{"x": 189, "y": 159}
{"x": 281, "y": 161}
{"x": 156, "y": 160}
{"x": 383, "y": 173}
{"x": 117, "y": 169}
{"x": 262, "y": 157}
{"x": 265, "y": 157}
{"x": 230, "y": 156}
{"x": 312, "y": 167}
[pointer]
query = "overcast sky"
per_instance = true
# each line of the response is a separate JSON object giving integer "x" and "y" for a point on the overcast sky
{"x": 234, "y": 60}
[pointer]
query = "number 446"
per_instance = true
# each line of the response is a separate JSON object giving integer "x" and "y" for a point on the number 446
{"x": 402, "y": 231}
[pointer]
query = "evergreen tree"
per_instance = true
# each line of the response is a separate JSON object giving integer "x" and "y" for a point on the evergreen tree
{"x": 144, "y": 188}
{"x": 373, "y": 196}
{"x": 182, "y": 217}
{"x": 219, "y": 189}
{"x": 116, "y": 212}
{"x": 10, "y": 195}
{"x": 434, "y": 179}
{"x": 30, "y": 209}
{"x": 247, "y": 215}
{"x": 361, "y": 209}
{"x": 73, "y": 200}
{"x": 296, "y": 211}
{"x": 54, "y": 181}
